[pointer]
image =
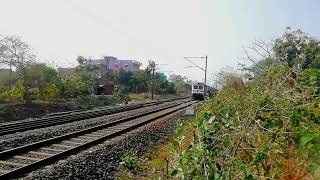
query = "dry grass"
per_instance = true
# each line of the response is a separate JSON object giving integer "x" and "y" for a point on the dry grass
{"x": 156, "y": 162}
{"x": 139, "y": 97}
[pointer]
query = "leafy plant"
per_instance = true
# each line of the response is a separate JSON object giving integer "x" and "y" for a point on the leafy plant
{"x": 131, "y": 162}
{"x": 251, "y": 132}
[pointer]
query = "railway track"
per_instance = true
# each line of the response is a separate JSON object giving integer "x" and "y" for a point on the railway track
{"x": 72, "y": 116}
{"x": 30, "y": 157}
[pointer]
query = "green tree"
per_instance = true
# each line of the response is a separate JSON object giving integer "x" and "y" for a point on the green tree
{"x": 112, "y": 77}
{"x": 125, "y": 78}
{"x": 88, "y": 75}
{"x": 150, "y": 71}
{"x": 139, "y": 81}
{"x": 82, "y": 60}
{"x": 72, "y": 86}
{"x": 298, "y": 49}
{"x": 181, "y": 84}
{"x": 18, "y": 54}
{"x": 40, "y": 76}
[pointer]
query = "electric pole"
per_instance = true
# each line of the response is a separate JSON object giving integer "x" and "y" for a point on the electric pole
{"x": 153, "y": 68}
{"x": 205, "y": 75}
{"x": 205, "y": 69}
{"x": 152, "y": 88}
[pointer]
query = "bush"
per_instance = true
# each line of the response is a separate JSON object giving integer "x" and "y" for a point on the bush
{"x": 90, "y": 102}
{"x": 51, "y": 92}
{"x": 16, "y": 93}
{"x": 269, "y": 128}
{"x": 130, "y": 161}
{"x": 72, "y": 88}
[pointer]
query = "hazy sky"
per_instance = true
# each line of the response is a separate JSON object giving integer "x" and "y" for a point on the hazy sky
{"x": 162, "y": 30}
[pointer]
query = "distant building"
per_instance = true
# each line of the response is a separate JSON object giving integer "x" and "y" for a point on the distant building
{"x": 110, "y": 63}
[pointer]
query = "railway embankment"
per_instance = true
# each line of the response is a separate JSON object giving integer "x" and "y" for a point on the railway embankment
{"x": 22, "y": 138}
{"x": 102, "y": 161}
{"x": 15, "y": 111}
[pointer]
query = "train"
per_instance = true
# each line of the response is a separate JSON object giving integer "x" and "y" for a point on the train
{"x": 198, "y": 91}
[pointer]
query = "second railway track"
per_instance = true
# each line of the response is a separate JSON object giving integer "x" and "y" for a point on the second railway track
{"x": 24, "y": 159}
{"x": 72, "y": 116}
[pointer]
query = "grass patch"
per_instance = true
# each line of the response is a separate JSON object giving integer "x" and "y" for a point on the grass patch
{"x": 139, "y": 97}
{"x": 155, "y": 163}
{"x": 90, "y": 102}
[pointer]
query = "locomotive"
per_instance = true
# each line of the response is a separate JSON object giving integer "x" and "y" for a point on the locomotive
{"x": 198, "y": 91}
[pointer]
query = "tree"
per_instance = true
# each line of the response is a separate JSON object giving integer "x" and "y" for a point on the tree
{"x": 40, "y": 76}
{"x": 181, "y": 84}
{"x": 82, "y": 60}
{"x": 88, "y": 74}
{"x": 16, "y": 53}
{"x": 5, "y": 79}
{"x": 124, "y": 79}
{"x": 150, "y": 70}
{"x": 139, "y": 81}
{"x": 298, "y": 50}
{"x": 294, "y": 49}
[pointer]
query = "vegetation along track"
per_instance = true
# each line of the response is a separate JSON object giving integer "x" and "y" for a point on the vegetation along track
{"x": 71, "y": 116}
{"x": 24, "y": 159}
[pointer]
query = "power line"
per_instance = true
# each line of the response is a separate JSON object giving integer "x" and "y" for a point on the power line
{"x": 203, "y": 69}
{"x": 195, "y": 65}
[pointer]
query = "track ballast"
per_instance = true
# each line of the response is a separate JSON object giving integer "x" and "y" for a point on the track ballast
{"x": 72, "y": 116}
{"x": 24, "y": 159}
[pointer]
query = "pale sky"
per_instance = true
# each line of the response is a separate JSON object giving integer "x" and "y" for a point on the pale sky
{"x": 162, "y": 30}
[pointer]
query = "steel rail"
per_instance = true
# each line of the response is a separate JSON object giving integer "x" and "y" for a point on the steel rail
{"x": 89, "y": 136}
{"x": 63, "y": 118}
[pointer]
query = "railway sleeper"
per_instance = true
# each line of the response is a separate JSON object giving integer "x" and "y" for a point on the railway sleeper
{"x": 61, "y": 146}
{"x": 26, "y": 158}
{"x": 39, "y": 153}
{"x": 49, "y": 152}
{"x": 51, "y": 149}
{"x": 9, "y": 163}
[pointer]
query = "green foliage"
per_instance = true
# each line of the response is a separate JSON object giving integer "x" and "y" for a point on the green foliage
{"x": 297, "y": 48}
{"x": 163, "y": 86}
{"x": 88, "y": 75}
{"x": 309, "y": 80}
{"x": 72, "y": 87}
{"x": 123, "y": 97}
{"x": 130, "y": 161}
{"x": 81, "y": 60}
{"x": 16, "y": 93}
{"x": 139, "y": 81}
{"x": 51, "y": 92}
{"x": 90, "y": 102}
{"x": 247, "y": 133}
{"x": 42, "y": 77}
{"x": 181, "y": 84}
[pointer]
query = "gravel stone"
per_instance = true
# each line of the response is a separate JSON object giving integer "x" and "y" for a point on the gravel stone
{"x": 22, "y": 138}
{"x": 102, "y": 161}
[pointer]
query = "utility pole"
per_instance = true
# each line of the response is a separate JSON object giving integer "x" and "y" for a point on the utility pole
{"x": 205, "y": 69}
{"x": 10, "y": 76}
{"x": 152, "y": 88}
{"x": 205, "y": 75}
{"x": 153, "y": 67}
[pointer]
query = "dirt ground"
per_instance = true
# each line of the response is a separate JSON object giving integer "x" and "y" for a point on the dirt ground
{"x": 17, "y": 111}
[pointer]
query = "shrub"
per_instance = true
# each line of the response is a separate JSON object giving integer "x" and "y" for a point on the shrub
{"x": 16, "y": 93}
{"x": 130, "y": 161}
{"x": 51, "y": 92}
{"x": 253, "y": 132}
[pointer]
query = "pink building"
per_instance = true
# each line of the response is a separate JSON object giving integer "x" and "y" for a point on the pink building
{"x": 110, "y": 63}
